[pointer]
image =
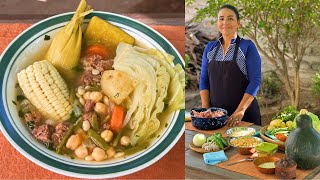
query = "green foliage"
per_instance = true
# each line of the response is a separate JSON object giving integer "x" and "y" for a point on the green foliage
{"x": 270, "y": 85}
{"x": 315, "y": 121}
{"x": 316, "y": 85}
{"x": 288, "y": 114}
{"x": 187, "y": 59}
{"x": 288, "y": 18}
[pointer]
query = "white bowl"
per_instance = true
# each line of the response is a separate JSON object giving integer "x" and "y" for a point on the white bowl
{"x": 28, "y": 46}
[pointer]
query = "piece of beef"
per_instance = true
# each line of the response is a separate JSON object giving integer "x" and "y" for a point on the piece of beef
{"x": 106, "y": 126}
{"x": 89, "y": 106}
{"x": 43, "y": 133}
{"x": 88, "y": 79}
{"x": 87, "y": 116}
{"x": 96, "y": 62}
{"x": 34, "y": 116}
{"x": 61, "y": 130}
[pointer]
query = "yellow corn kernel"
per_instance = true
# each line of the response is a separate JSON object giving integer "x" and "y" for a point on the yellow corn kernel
{"x": 44, "y": 87}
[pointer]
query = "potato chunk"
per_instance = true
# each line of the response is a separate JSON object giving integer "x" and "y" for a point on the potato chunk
{"x": 116, "y": 85}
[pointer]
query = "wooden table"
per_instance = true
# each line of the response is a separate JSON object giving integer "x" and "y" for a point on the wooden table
{"x": 196, "y": 169}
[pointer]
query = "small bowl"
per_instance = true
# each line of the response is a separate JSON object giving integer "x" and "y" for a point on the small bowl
{"x": 244, "y": 150}
{"x": 240, "y": 132}
{"x": 266, "y": 159}
{"x": 209, "y": 123}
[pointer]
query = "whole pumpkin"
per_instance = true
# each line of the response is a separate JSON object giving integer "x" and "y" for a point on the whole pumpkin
{"x": 303, "y": 143}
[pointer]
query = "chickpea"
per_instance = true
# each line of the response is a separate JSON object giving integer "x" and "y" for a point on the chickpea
{"x": 86, "y": 125}
{"x": 98, "y": 154}
{"x": 80, "y": 132}
{"x": 111, "y": 152}
{"x": 119, "y": 154}
{"x": 81, "y": 152}
{"x": 89, "y": 158}
{"x": 125, "y": 140}
{"x": 96, "y": 96}
{"x": 95, "y": 72}
{"x": 81, "y": 90}
{"x": 86, "y": 95}
{"x": 107, "y": 135}
{"x": 78, "y": 95}
{"x": 82, "y": 101}
{"x": 101, "y": 108}
{"x": 105, "y": 100}
{"x": 74, "y": 141}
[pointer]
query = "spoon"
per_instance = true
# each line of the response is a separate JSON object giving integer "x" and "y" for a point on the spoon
{"x": 242, "y": 160}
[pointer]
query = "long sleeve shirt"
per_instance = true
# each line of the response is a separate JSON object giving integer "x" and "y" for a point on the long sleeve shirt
{"x": 248, "y": 60}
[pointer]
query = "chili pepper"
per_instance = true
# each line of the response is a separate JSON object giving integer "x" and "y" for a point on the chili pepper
{"x": 218, "y": 135}
{"x": 218, "y": 141}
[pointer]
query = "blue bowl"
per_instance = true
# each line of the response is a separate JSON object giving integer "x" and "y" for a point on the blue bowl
{"x": 209, "y": 123}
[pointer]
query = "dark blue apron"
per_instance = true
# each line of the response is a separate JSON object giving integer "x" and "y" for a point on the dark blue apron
{"x": 228, "y": 85}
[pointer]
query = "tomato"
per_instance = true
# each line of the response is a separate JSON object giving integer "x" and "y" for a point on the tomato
{"x": 281, "y": 137}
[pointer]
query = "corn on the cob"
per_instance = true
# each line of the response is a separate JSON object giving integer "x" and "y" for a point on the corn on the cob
{"x": 44, "y": 87}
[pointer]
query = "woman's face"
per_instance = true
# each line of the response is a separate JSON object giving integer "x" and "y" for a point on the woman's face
{"x": 227, "y": 22}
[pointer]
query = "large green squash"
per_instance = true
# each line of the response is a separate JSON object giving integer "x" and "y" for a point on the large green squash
{"x": 303, "y": 144}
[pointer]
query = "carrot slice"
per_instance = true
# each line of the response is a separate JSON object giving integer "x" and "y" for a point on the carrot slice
{"x": 97, "y": 49}
{"x": 117, "y": 117}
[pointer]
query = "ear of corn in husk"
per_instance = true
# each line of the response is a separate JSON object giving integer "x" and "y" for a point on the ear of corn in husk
{"x": 65, "y": 49}
{"x": 44, "y": 87}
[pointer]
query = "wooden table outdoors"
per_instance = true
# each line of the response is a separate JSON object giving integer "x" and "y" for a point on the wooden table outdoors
{"x": 165, "y": 16}
{"x": 197, "y": 169}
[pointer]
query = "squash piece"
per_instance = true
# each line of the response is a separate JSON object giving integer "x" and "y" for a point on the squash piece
{"x": 102, "y": 32}
{"x": 116, "y": 85}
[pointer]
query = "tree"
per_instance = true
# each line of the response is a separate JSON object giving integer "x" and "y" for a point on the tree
{"x": 281, "y": 29}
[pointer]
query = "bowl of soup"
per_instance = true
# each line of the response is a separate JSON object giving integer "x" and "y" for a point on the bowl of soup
{"x": 92, "y": 126}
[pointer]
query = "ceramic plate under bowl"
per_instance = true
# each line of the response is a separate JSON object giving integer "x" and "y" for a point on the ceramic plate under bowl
{"x": 31, "y": 45}
{"x": 240, "y": 131}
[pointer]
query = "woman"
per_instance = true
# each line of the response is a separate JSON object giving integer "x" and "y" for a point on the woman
{"x": 231, "y": 71}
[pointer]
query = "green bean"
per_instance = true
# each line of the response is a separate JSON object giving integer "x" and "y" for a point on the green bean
{"x": 94, "y": 88}
{"x": 94, "y": 122}
{"x": 97, "y": 139}
{"x": 116, "y": 141}
{"x": 106, "y": 119}
{"x": 73, "y": 128}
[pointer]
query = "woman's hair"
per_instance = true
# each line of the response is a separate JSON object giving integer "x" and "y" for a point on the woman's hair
{"x": 232, "y": 8}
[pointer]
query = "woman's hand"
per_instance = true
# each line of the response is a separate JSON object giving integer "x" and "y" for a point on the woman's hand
{"x": 235, "y": 118}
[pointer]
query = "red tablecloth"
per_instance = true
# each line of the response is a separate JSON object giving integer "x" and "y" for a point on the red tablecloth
{"x": 13, "y": 165}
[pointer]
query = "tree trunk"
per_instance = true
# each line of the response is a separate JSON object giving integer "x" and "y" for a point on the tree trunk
{"x": 296, "y": 87}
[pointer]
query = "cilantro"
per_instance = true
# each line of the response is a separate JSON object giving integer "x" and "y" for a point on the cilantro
{"x": 46, "y": 37}
{"x": 20, "y": 97}
{"x": 21, "y": 114}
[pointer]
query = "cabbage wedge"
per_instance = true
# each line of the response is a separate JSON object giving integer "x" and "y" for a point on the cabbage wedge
{"x": 160, "y": 87}
{"x": 65, "y": 49}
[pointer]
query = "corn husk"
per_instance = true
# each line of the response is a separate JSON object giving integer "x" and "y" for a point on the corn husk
{"x": 65, "y": 49}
